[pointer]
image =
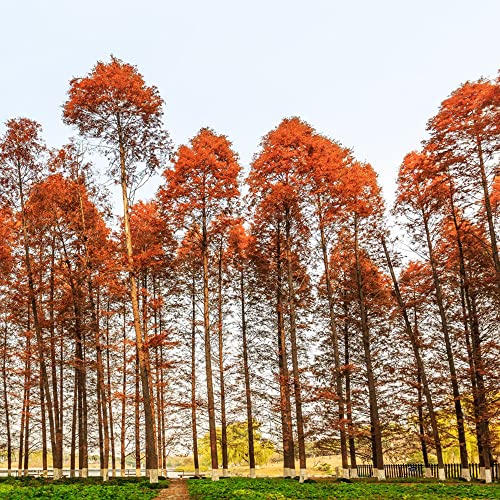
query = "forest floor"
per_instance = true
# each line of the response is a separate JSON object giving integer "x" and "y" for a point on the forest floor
{"x": 283, "y": 489}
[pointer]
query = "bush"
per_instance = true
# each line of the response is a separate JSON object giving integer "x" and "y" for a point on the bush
{"x": 76, "y": 488}
{"x": 280, "y": 489}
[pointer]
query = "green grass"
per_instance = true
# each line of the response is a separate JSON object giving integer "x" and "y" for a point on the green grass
{"x": 73, "y": 489}
{"x": 283, "y": 489}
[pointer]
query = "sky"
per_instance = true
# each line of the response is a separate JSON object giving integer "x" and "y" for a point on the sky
{"x": 366, "y": 73}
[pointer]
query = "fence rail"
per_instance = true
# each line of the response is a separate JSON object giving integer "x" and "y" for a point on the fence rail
{"x": 452, "y": 471}
{"x": 38, "y": 472}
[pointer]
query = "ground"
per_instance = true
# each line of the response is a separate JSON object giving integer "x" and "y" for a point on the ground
{"x": 282, "y": 489}
{"x": 237, "y": 488}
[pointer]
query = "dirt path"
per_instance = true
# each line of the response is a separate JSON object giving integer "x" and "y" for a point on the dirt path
{"x": 177, "y": 489}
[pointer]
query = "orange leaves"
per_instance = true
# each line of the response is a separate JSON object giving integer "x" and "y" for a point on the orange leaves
{"x": 278, "y": 169}
{"x": 21, "y": 159}
{"x": 360, "y": 191}
{"x": 472, "y": 111}
{"x": 6, "y": 239}
{"x": 114, "y": 104}
{"x": 152, "y": 239}
{"x": 204, "y": 180}
{"x": 112, "y": 89}
{"x": 422, "y": 185}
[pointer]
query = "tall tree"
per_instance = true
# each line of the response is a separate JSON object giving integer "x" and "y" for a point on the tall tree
{"x": 420, "y": 194}
{"x": 465, "y": 135}
{"x": 363, "y": 208}
{"x": 202, "y": 186}
{"x": 276, "y": 183}
{"x": 323, "y": 174}
{"x": 423, "y": 384}
{"x": 21, "y": 166}
{"x": 239, "y": 247}
{"x": 114, "y": 104}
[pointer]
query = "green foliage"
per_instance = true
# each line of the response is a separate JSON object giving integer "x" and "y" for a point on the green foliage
{"x": 324, "y": 467}
{"x": 237, "y": 439}
{"x": 69, "y": 489}
{"x": 281, "y": 489}
{"x": 417, "y": 458}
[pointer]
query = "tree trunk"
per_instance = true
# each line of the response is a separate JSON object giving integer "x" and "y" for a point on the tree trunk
{"x": 208, "y": 354}
{"x": 246, "y": 372}
{"x": 6, "y": 404}
{"x": 57, "y": 454}
{"x": 421, "y": 426}
{"x": 159, "y": 386}
{"x": 449, "y": 353}
{"x": 124, "y": 397}
{"x": 56, "y": 446}
{"x": 378, "y": 462}
{"x": 335, "y": 345}
{"x": 149, "y": 413}
{"x": 43, "y": 424}
{"x": 473, "y": 351}
{"x": 284, "y": 379}
{"x": 294, "y": 352}
{"x": 108, "y": 394}
{"x": 350, "y": 427}
{"x": 482, "y": 410}
{"x": 221, "y": 367}
{"x": 72, "y": 459}
{"x": 137, "y": 419}
{"x": 193, "y": 378}
{"x": 421, "y": 374}
{"x": 100, "y": 387}
{"x": 24, "y": 410}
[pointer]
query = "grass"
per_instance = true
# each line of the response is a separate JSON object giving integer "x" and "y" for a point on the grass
{"x": 72, "y": 489}
{"x": 283, "y": 489}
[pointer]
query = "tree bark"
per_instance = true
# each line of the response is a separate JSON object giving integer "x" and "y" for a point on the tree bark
{"x": 294, "y": 351}
{"x": 350, "y": 426}
{"x": 6, "y": 404}
{"x": 193, "y": 378}
{"x": 449, "y": 352}
{"x": 246, "y": 372}
{"x": 421, "y": 373}
{"x": 335, "y": 344}
{"x": 208, "y": 354}
{"x": 378, "y": 462}
{"x": 284, "y": 379}
{"x": 149, "y": 413}
{"x": 221, "y": 366}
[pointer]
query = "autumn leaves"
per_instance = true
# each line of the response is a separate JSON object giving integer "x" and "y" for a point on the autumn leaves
{"x": 295, "y": 270}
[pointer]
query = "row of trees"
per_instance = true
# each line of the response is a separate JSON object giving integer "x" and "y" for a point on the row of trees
{"x": 280, "y": 297}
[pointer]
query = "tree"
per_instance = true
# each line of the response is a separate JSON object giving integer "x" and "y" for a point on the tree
{"x": 21, "y": 160}
{"x": 423, "y": 384}
{"x": 323, "y": 174}
{"x": 240, "y": 244}
{"x": 237, "y": 444}
{"x": 363, "y": 207}
{"x": 276, "y": 183}
{"x": 202, "y": 186}
{"x": 113, "y": 104}
{"x": 465, "y": 136}
{"x": 420, "y": 194}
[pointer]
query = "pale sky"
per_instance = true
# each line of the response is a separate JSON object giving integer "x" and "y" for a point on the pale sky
{"x": 367, "y": 73}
